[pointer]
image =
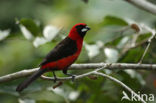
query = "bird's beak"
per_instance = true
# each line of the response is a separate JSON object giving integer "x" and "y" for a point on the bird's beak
{"x": 88, "y": 28}
{"x": 85, "y": 29}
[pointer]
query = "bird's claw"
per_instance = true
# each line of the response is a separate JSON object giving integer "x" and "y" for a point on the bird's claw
{"x": 55, "y": 79}
{"x": 73, "y": 78}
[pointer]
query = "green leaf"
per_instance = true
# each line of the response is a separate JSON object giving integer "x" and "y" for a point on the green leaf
{"x": 112, "y": 20}
{"x": 131, "y": 56}
{"x": 143, "y": 37}
{"x": 30, "y": 26}
{"x": 114, "y": 43}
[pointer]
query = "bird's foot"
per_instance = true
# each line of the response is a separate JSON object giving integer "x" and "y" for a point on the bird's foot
{"x": 73, "y": 78}
{"x": 55, "y": 79}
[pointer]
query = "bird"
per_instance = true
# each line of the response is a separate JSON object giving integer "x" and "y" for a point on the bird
{"x": 61, "y": 56}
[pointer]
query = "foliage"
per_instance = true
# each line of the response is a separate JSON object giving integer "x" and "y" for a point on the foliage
{"x": 30, "y": 26}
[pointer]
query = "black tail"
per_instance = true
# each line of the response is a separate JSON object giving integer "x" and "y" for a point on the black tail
{"x": 28, "y": 81}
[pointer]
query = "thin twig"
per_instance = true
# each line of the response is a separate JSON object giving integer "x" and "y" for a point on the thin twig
{"x": 120, "y": 83}
{"x": 148, "y": 45}
{"x": 144, "y": 53}
{"x": 132, "y": 47}
{"x": 144, "y": 5}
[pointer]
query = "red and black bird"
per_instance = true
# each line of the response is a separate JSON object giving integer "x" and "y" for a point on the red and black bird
{"x": 62, "y": 56}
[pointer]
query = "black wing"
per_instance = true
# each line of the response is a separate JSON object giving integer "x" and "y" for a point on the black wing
{"x": 64, "y": 49}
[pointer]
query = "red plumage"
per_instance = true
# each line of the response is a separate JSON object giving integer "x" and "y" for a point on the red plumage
{"x": 62, "y": 56}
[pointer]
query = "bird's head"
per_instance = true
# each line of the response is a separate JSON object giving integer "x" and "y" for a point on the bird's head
{"x": 78, "y": 31}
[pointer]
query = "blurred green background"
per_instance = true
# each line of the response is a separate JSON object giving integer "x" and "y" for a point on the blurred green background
{"x": 110, "y": 35}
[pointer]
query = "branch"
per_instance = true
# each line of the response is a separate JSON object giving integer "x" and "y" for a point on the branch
{"x": 122, "y": 66}
{"x": 96, "y": 72}
{"x": 98, "y": 66}
{"x": 144, "y": 5}
{"x": 17, "y": 75}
